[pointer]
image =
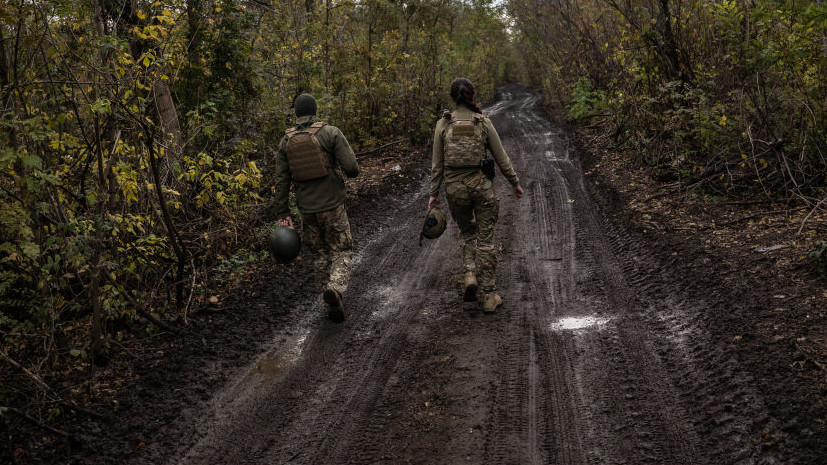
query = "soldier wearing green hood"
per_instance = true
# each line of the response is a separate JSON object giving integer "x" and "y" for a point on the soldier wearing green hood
{"x": 313, "y": 156}
{"x": 461, "y": 141}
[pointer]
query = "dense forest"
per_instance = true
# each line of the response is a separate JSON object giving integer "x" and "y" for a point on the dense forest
{"x": 725, "y": 95}
{"x": 136, "y": 134}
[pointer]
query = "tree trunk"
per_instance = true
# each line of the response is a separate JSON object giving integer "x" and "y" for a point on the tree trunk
{"x": 675, "y": 67}
{"x": 172, "y": 231}
{"x": 193, "y": 72}
{"x": 170, "y": 128}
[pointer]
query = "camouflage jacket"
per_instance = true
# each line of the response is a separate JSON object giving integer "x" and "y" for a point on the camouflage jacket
{"x": 492, "y": 143}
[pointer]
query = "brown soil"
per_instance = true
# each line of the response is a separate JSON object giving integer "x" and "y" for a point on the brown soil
{"x": 635, "y": 329}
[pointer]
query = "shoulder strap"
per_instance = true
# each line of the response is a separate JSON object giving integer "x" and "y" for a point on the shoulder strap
{"x": 476, "y": 118}
{"x": 314, "y": 128}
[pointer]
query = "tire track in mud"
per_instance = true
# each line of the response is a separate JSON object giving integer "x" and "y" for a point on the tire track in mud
{"x": 326, "y": 419}
{"x": 544, "y": 401}
{"x": 596, "y": 356}
{"x": 632, "y": 392}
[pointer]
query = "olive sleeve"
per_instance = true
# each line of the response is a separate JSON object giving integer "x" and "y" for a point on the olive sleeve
{"x": 344, "y": 154}
{"x": 437, "y": 159}
{"x": 497, "y": 150}
{"x": 283, "y": 179}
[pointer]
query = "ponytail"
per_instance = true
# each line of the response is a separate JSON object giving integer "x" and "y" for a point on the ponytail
{"x": 462, "y": 92}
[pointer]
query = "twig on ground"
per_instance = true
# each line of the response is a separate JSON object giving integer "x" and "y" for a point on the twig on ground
{"x": 141, "y": 310}
{"x": 48, "y": 389}
{"x": 756, "y": 215}
{"x": 35, "y": 421}
{"x": 37, "y": 379}
{"x": 192, "y": 291}
{"x": 664, "y": 190}
{"x": 77, "y": 408}
{"x": 380, "y": 148}
{"x": 804, "y": 221}
{"x": 742, "y": 202}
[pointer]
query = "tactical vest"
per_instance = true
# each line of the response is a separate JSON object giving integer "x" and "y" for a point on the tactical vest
{"x": 305, "y": 156}
{"x": 464, "y": 146}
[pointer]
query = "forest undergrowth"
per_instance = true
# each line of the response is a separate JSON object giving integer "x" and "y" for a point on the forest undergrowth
{"x": 136, "y": 136}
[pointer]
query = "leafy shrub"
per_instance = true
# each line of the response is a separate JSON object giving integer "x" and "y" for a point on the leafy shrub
{"x": 819, "y": 256}
{"x": 585, "y": 101}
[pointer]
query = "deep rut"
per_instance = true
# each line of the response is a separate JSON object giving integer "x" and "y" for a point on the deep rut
{"x": 597, "y": 356}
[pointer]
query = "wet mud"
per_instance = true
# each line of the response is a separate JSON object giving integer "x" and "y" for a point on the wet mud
{"x": 612, "y": 346}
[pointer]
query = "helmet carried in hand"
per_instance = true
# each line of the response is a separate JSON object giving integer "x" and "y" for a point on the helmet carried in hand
{"x": 284, "y": 244}
{"x": 435, "y": 224}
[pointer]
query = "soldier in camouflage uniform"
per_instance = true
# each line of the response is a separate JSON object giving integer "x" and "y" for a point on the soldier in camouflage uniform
{"x": 461, "y": 139}
{"x": 312, "y": 157}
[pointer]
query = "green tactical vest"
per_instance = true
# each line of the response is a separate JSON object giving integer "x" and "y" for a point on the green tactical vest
{"x": 305, "y": 156}
{"x": 463, "y": 144}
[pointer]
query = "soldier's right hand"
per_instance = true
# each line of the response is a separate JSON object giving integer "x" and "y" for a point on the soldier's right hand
{"x": 433, "y": 202}
{"x": 286, "y": 221}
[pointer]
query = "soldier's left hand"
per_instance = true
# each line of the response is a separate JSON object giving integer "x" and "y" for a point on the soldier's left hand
{"x": 518, "y": 191}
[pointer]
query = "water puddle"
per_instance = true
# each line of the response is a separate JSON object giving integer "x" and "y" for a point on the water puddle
{"x": 274, "y": 364}
{"x": 578, "y": 323}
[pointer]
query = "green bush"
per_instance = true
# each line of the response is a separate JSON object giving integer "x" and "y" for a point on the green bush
{"x": 819, "y": 256}
{"x": 585, "y": 101}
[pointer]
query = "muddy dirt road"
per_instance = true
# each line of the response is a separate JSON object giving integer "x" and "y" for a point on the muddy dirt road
{"x": 598, "y": 355}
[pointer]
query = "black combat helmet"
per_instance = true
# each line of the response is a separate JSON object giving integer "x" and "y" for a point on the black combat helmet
{"x": 435, "y": 224}
{"x": 305, "y": 105}
{"x": 284, "y": 244}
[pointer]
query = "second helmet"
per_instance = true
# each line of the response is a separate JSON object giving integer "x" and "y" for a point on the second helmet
{"x": 435, "y": 223}
{"x": 284, "y": 244}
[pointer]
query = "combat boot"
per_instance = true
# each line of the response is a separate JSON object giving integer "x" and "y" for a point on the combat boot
{"x": 469, "y": 293}
{"x": 491, "y": 301}
{"x": 335, "y": 306}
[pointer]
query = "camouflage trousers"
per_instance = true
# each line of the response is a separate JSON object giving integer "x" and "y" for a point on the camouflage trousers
{"x": 474, "y": 206}
{"x": 327, "y": 234}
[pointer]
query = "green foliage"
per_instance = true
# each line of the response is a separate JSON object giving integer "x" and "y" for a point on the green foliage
{"x": 819, "y": 257}
{"x": 584, "y": 100}
{"x": 101, "y": 102}
{"x": 724, "y": 93}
